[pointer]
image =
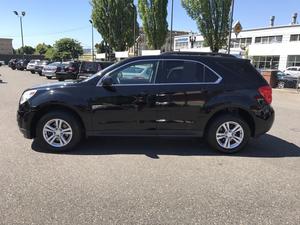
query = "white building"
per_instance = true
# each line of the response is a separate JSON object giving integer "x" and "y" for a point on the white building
{"x": 274, "y": 47}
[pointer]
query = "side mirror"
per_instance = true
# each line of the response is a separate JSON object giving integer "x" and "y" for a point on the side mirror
{"x": 107, "y": 81}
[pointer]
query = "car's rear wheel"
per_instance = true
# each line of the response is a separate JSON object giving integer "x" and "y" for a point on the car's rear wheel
{"x": 228, "y": 133}
{"x": 33, "y": 72}
{"x": 49, "y": 78}
{"x": 58, "y": 131}
{"x": 61, "y": 79}
{"x": 281, "y": 84}
{"x": 40, "y": 73}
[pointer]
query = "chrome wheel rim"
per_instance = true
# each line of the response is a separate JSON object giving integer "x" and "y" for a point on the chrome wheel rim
{"x": 230, "y": 135}
{"x": 57, "y": 133}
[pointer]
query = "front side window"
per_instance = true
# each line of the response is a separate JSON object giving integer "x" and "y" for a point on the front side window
{"x": 135, "y": 73}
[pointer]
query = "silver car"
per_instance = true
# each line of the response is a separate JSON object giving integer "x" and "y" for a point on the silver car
{"x": 31, "y": 65}
{"x": 49, "y": 70}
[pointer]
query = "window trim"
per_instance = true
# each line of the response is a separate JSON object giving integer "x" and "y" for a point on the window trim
{"x": 154, "y": 83}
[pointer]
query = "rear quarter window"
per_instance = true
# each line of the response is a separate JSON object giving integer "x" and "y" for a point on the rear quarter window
{"x": 240, "y": 71}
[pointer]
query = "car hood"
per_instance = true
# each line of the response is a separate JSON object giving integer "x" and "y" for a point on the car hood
{"x": 51, "y": 86}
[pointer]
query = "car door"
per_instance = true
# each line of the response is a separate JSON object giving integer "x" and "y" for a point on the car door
{"x": 127, "y": 106}
{"x": 182, "y": 93}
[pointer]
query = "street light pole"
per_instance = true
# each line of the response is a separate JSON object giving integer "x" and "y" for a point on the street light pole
{"x": 171, "y": 32}
{"x": 21, "y": 24}
{"x": 230, "y": 27}
{"x": 93, "y": 55}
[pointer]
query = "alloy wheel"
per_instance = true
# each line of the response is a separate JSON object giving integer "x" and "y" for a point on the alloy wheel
{"x": 57, "y": 133}
{"x": 230, "y": 135}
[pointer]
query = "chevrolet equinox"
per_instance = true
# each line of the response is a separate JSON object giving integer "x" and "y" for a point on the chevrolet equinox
{"x": 216, "y": 96}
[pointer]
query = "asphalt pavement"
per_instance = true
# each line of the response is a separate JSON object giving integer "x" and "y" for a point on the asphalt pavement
{"x": 148, "y": 180}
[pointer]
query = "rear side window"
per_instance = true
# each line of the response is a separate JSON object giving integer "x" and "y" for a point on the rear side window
{"x": 179, "y": 71}
{"x": 243, "y": 70}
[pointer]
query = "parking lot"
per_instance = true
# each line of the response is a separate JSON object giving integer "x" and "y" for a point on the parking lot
{"x": 148, "y": 180}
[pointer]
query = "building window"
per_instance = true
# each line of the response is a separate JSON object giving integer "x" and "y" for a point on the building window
{"x": 199, "y": 44}
{"x": 181, "y": 43}
{"x": 266, "y": 62}
{"x": 268, "y": 39}
{"x": 295, "y": 37}
{"x": 293, "y": 60}
{"x": 241, "y": 42}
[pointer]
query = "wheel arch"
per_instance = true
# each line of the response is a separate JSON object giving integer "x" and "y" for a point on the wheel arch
{"x": 50, "y": 108}
{"x": 234, "y": 110}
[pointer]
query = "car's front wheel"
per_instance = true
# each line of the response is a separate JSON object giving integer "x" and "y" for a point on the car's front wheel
{"x": 49, "y": 78}
{"x": 58, "y": 131}
{"x": 33, "y": 72}
{"x": 228, "y": 133}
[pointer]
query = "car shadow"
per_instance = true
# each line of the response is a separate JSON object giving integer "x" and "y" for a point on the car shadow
{"x": 266, "y": 146}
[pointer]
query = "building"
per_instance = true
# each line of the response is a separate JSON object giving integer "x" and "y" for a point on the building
{"x": 142, "y": 42}
{"x": 273, "y": 47}
{"x": 6, "y": 46}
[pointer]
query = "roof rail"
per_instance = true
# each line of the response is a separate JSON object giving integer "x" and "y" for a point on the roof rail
{"x": 199, "y": 54}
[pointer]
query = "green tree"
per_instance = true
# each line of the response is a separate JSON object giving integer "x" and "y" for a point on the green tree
{"x": 212, "y": 18}
{"x": 28, "y": 50}
{"x": 154, "y": 16}
{"x": 41, "y": 48}
{"x": 68, "y": 48}
{"x": 52, "y": 54}
{"x": 114, "y": 20}
{"x": 102, "y": 47}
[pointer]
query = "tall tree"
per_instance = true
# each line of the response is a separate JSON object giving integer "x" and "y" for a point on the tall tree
{"x": 115, "y": 21}
{"x": 28, "y": 50}
{"x": 154, "y": 16}
{"x": 41, "y": 48}
{"x": 213, "y": 18}
{"x": 68, "y": 48}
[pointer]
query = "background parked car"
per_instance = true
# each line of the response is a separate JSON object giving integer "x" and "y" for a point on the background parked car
{"x": 69, "y": 70}
{"x": 12, "y": 63}
{"x": 286, "y": 81}
{"x": 293, "y": 71}
{"x": 40, "y": 66}
{"x": 50, "y": 70}
{"x": 77, "y": 69}
{"x": 22, "y": 64}
{"x": 31, "y": 65}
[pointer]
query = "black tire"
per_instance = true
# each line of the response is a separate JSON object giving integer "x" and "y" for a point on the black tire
{"x": 33, "y": 72}
{"x": 40, "y": 73}
{"x": 49, "y": 78}
{"x": 280, "y": 84}
{"x": 214, "y": 126}
{"x": 61, "y": 79}
{"x": 70, "y": 119}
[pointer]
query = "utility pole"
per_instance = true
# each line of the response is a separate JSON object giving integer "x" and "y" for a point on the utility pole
{"x": 22, "y": 14}
{"x": 171, "y": 32}
{"x": 93, "y": 55}
{"x": 230, "y": 26}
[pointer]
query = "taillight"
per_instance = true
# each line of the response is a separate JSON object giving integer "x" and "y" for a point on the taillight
{"x": 266, "y": 93}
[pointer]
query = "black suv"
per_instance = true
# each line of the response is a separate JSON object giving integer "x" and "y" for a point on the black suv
{"x": 217, "y": 96}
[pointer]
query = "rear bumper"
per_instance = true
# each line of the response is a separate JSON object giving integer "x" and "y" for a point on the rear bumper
{"x": 264, "y": 120}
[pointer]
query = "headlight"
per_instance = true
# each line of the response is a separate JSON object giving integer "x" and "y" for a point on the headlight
{"x": 27, "y": 95}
